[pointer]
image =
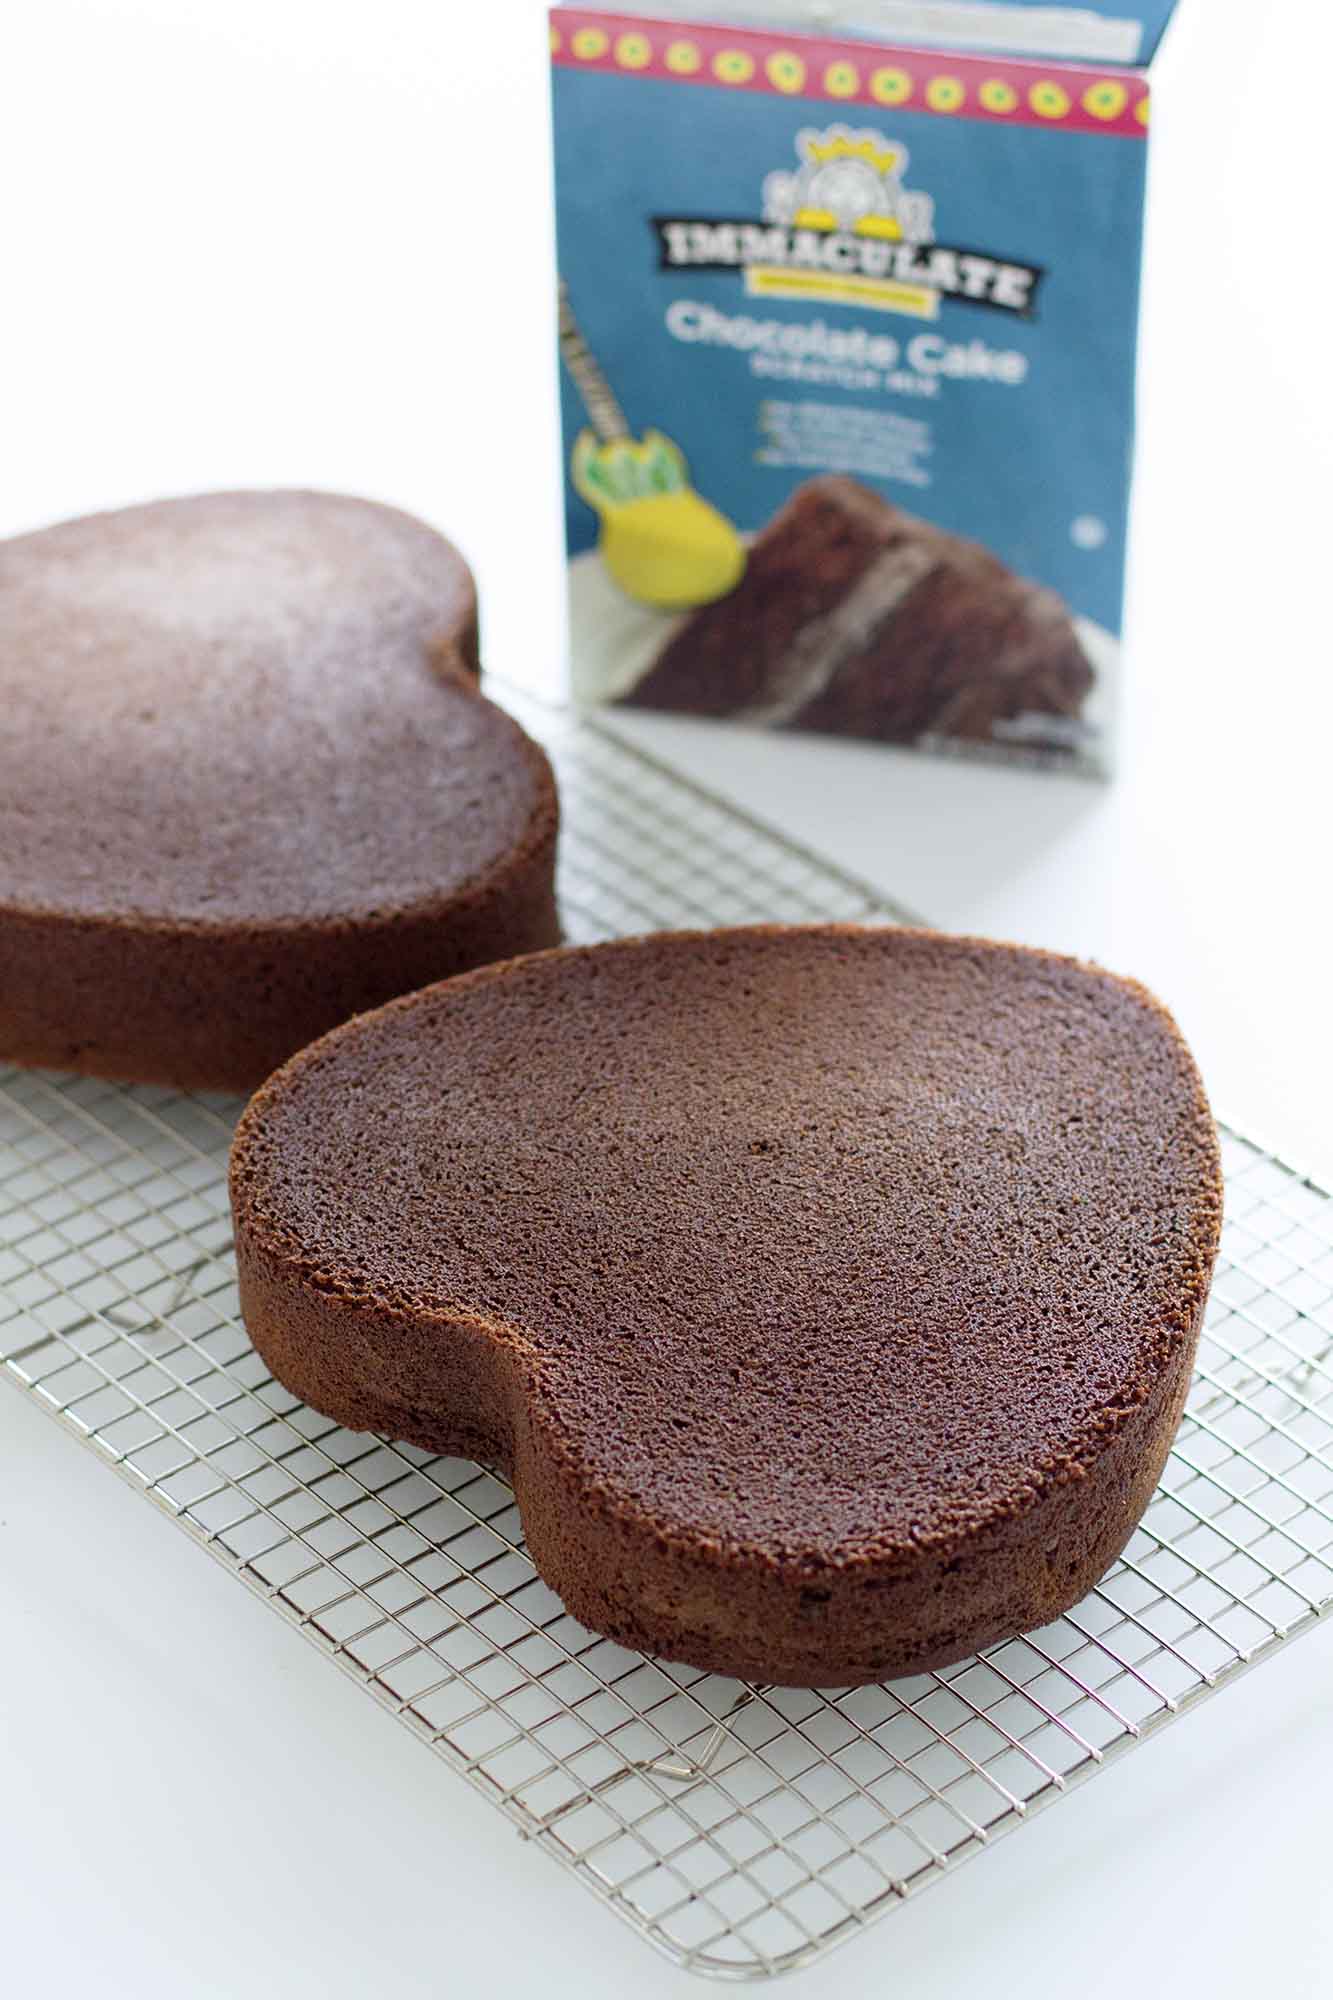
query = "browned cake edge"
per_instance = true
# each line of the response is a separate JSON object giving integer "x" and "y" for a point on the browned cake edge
{"x": 219, "y": 1005}
{"x": 730, "y": 1609}
{"x": 458, "y": 645}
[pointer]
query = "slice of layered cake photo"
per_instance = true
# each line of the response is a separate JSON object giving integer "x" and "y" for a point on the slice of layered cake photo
{"x": 855, "y": 618}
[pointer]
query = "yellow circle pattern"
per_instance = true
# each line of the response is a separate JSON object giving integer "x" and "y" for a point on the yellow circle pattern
{"x": 683, "y": 58}
{"x": 1105, "y": 100}
{"x": 998, "y": 96}
{"x": 945, "y": 93}
{"x": 733, "y": 66}
{"x": 785, "y": 72}
{"x": 1048, "y": 100}
{"x": 890, "y": 86}
{"x": 633, "y": 51}
{"x": 842, "y": 79}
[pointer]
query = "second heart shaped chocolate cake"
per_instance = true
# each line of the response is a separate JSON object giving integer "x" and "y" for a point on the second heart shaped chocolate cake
{"x": 829, "y": 1295}
{"x": 248, "y": 786}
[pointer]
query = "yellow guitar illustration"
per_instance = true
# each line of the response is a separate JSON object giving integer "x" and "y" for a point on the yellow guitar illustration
{"x": 662, "y": 543}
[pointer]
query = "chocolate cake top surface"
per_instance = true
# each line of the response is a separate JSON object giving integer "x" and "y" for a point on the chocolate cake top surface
{"x": 822, "y": 1243}
{"x": 247, "y": 707}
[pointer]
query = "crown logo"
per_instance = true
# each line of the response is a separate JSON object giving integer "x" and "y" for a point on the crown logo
{"x": 840, "y": 144}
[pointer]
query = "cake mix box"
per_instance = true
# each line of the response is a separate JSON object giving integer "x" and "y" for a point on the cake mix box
{"x": 847, "y": 329}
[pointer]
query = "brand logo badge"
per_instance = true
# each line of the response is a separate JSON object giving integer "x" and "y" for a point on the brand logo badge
{"x": 844, "y": 228}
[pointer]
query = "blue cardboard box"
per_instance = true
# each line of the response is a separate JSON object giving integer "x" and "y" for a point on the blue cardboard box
{"x": 848, "y": 331}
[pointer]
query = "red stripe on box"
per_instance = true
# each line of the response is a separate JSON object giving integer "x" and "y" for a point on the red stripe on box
{"x": 1062, "y": 97}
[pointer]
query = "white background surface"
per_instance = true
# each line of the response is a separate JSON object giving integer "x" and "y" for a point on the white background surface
{"x": 255, "y": 242}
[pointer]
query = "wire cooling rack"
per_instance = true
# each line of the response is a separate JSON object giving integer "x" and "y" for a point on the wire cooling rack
{"x": 742, "y": 1830}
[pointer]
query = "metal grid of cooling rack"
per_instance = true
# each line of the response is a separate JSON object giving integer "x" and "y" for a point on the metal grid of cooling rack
{"x": 742, "y": 1831}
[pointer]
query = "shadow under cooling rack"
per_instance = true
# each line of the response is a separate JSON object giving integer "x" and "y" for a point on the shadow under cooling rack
{"x": 743, "y": 1831}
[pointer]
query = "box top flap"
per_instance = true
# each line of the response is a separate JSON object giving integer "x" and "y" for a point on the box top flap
{"x": 1126, "y": 32}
